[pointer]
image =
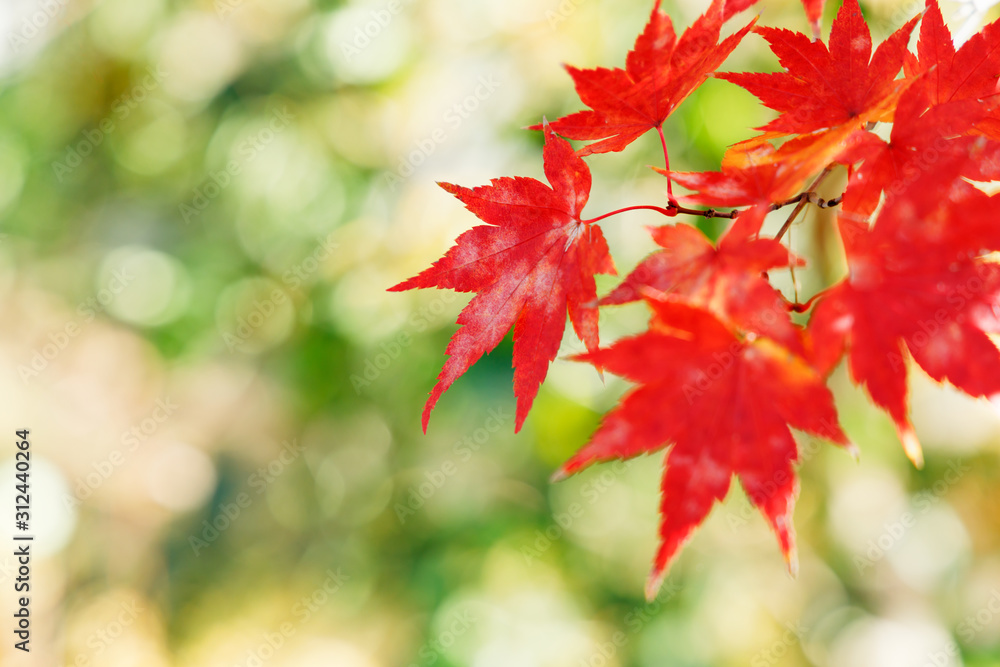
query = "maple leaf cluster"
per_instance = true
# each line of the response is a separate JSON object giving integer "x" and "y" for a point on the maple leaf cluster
{"x": 723, "y": 370}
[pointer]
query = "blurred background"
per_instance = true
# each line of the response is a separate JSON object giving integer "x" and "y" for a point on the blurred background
{"x": 202, "y": 203}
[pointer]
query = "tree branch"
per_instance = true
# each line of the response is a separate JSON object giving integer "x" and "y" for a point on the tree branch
{"x": 673, "y": 209}
{"x": 800, "y": 199}
{"x": 805, "y": 198}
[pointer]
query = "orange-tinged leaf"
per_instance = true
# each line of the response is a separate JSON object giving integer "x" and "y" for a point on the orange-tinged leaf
{"x": 801, "y": 156}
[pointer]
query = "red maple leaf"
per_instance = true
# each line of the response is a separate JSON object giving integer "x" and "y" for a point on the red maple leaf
{"x": 533, "y": 260}
{"x": 727, "y": 280}
{"x": 968, "y": 73}
{"x": 825, "y": 88}
{"x": 920, "y": 141}
{"x": 814, "y": 11}
{"x": 751, "y": 178}
{"x": 917, "y": 286}
{"x": 660, "y": 72}
{"x": 733, "y": 7}
{"x": 722, "y": 399}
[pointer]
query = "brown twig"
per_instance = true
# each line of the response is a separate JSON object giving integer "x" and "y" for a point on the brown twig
{"x": 808, "y": 196}
{"x": 673, "y": 208}
{"x": 800, "y": 199}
